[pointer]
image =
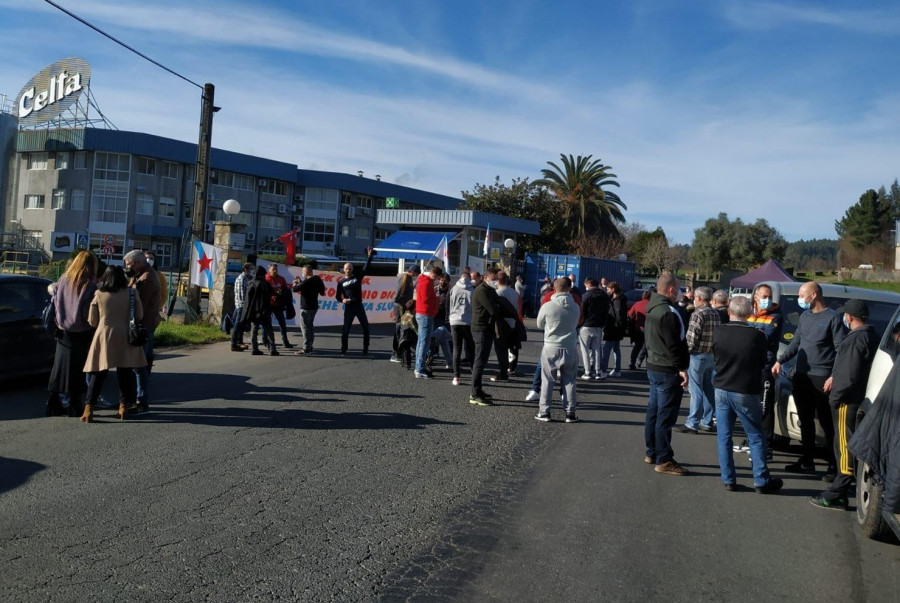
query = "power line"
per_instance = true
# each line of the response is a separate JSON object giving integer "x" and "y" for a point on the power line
{"x": 121, "y": 43}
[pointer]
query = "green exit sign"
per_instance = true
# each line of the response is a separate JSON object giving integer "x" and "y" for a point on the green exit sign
{"x": 392, "y": 203}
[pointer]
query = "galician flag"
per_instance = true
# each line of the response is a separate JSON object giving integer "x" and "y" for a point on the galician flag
{"x": 487, "y": 240}
{"x": 442, "y": 253}
{"x": 205, "y": 260}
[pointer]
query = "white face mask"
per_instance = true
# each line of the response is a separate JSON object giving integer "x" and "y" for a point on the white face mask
{"x": 846, "y": 321}
{"x": 764, "y": 304}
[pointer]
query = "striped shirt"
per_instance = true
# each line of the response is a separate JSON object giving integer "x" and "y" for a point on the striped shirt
{"x": 240, "y": 289}
{"x": 700, "y": 330}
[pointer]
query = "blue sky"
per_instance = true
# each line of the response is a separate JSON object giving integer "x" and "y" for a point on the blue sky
{"x": 782, "y": 110}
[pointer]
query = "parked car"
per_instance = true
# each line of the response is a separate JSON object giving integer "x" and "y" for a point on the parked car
{"x": 869, "y": 491}
{"x": 632, "y": 297}
{"x": 26, "y": 348}
{"x": 882, "y": 305}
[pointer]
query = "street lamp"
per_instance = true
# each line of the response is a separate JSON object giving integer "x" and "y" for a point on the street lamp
{"x": 510, "y": 245}
{"x": 231, "y": 208}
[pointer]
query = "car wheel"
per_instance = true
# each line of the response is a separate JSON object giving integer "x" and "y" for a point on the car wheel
{"x": 869, "y": 503}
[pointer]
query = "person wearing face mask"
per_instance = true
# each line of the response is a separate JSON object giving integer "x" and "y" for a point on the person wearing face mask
{"x": 848, "y": 388}
{"x": 820, "y": 331}
{"x": 767, "y": 318}
{"x": 667, "y": 363}
{"x": 144, "y": 279}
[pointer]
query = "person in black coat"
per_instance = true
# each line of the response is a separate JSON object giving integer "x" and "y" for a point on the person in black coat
{"x": 258, "y": 311}
{"x": 614, "y": 331}
{"x": 349, "y": 292}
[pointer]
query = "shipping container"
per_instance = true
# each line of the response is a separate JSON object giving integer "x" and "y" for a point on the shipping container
{"x": 539, "y": 265}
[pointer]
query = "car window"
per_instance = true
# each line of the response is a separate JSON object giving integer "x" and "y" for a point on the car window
{"x": 880, "y": 314}
{"x": 891, "y": 341}
{"x": 17, "y": 301}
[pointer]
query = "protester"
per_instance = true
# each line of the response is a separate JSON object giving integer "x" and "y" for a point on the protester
{"x": 409, "y": 334}
{"x": 349, "y": 292}
{"x": 739, "y": 352}
{"x": 461, "y": 323}
{"x": 767, "y": 318}
{"x": 485, "y": 312}
{"x": 819, "y": 333}
{"x": 547, "y": 286}
{"x": 848, "y": 390}
{"x": 536, "y": 379}
{"x": 406, "y": 288}
{"x": 72, "y": 298}
{"x": 701, "y": 326}
{"x": 163, "y": 284}
{"x": 280, "y": 300}
{"x": 719, "y": 303}
{"x": 637, "y": 316}
{"x": 559, "y": 319}
{"x": 426, "y": 310}
{"x": 521, "y": 290}
{"x": 258, "y": 311}
{"x": 145, "y": 281}
{"x": 441, "y": 339}
{"x": 614, "y": 331}
{"x": 310, "y": 287}
{"x": 595, "y": 305}
{"x": 667, "y": 361}
{"x": 110, "y": 313}
{"x": 241, "y": 283}
{"x": 506, "y": 344}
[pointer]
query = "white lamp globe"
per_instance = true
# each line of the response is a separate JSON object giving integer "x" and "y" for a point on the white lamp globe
{"x": 231, "y": 207}
{"x": 509, "y": 244}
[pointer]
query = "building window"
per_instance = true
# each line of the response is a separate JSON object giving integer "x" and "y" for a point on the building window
{"x": 220, "y": 178}
{"x": 322, "y": 199}
{"x": 146, "y": 165}
{"x": 246, "y": 183}
{"x": 381, "y": 234}
{"x": 271, "y": 221}
{"x": 80, "y": 160}
{"x": 34, "y": 201}
{"x": 76, "y": 200}
{"x": 273, "y": 187}
{"x": 170, "y": 169}
{"x": 144, "y": 205}
{"x": 167, "y": 207}
{"x": 189, "y": 171}
{"x": 109, "y": 196}
{"x": 188, "y": 212}
{"x": 345, "y": 231}
{"x": 163, "y": 253}
{"x": 37, "y": 161}
{"x": 33, "y": 238}
{"x": 62, "y": 160}
{"x": 346, "y": 198}
{"x": 319, "y": 230}
{"x": 58, "y": 200}
{"x": 362, "y": 233}
{"x": 365, "y": 202}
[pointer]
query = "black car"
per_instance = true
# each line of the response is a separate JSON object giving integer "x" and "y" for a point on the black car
{"x": 25, "y": 347}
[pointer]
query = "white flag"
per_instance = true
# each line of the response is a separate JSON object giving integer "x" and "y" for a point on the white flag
{"x": 205, "y": 261}
{"x": 443, "y": 254}
{"x": 487, "y": 240}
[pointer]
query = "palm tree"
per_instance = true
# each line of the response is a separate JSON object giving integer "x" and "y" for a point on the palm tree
{"x": 579, "y": 187}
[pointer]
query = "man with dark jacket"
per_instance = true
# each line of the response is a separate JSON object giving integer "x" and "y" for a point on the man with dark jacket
{"x": 739, "y": 352}
{"x": 258, "y": 310}
{"x": 848, "y": 389}
{"x": 309, "y": 288}
{"x": 595, "y": 306}
{"x": 485, "y": 311}
{"x": 667, "y": 362}
{"x": 349, "y": 292}
{"x": 145, "y": 280}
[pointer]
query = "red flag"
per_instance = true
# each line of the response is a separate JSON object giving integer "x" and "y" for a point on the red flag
{"x": 290, "y": 246}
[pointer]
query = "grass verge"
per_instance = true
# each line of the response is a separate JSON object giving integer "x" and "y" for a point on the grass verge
{"x": 882, "y": 286}
{"x": 170, "y": 334}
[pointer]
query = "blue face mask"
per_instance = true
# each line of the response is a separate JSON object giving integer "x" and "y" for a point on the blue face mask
{"x": 804, "y": 305}
{"x": 765, "y": 304}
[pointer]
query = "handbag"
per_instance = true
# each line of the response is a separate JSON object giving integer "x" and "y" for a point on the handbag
{"x": 137, "y": 334}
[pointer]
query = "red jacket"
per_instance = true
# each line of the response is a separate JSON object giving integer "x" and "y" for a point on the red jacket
{"x": 278, "y": 285}
{"x": 426, "y": 297}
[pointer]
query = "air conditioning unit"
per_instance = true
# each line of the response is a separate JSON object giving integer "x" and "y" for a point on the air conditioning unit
{"x": 329, "y": 245}
{"x": 282, "y": 208}
{"x": 366, "y": 211}
{"x": 209, "y": 227}
{"x": 351, "y": 212}
{"x": 295, "y": 207}
{"x": 298, "y": 197}
{"x": 251, "y": 236}
{"x": 263, "y": 183}
{"x": 297, "y": 217}
{"x": 270, "y": 238}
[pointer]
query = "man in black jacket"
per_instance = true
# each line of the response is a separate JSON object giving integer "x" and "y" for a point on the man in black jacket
{"x": 595, "y": 307}
{"x": 667, "y": 362}
{"x": 848, "y": 389}
{"x": 349, "y": 293}
{"x": 310, "y": 288}
{"x": 485, "y": 311}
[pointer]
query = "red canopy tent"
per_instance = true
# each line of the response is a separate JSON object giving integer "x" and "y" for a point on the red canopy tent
{"x": 770, "y": 271}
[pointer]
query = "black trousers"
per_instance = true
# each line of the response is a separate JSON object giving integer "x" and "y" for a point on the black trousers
{"x": 844, "y": 417}
{"x": 127, "y": 385}
{"x": 483, "y": 342}
{"x": 502, "y": 348}
{"x": 462, "y": 336}
{"x": 638, "y": 353}
{"x": 812, "y": 401}
{"x": 355, "y": 310}
{"x": 278, "y": 313}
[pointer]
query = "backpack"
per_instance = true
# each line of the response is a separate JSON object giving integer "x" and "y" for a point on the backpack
{"x": 48, "y": 318}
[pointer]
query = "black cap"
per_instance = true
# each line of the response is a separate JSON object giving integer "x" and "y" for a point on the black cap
{"x": 855, "y": 307}
{"x": 415, "y": 269}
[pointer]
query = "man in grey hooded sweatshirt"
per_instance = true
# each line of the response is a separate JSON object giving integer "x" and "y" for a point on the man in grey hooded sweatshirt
{"x": 559, "y": 320}
{"x": 461, "y": 322}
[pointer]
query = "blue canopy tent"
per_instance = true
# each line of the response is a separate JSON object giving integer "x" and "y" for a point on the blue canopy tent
{"x": 418, "y": 245}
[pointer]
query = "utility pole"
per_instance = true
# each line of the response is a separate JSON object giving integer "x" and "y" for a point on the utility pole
{"x": 201, "y": 179}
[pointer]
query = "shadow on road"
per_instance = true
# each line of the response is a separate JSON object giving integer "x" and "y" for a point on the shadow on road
{"x": 15, "y": 472}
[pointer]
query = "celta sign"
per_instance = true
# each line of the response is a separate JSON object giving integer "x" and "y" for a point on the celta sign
{"x": 53, "y": 90}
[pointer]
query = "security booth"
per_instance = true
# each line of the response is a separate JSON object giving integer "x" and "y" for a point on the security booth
{"x": 423, "y": 232}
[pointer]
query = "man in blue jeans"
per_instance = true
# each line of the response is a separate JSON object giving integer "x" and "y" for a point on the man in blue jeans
{"x": 667, "y": 362}
{"x": 704, "y": 320}
{"x": 426, "y": 309}
{"x": 145, "y": 281}
{"x": 740, "y": 355}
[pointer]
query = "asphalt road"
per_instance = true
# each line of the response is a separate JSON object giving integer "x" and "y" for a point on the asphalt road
{"x": 328, "y": 478}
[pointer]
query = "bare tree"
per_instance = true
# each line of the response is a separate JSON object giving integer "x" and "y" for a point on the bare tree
{"x": 597, "y": 246}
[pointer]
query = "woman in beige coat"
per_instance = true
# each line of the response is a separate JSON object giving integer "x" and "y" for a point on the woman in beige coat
{"x": 110, "y": 314}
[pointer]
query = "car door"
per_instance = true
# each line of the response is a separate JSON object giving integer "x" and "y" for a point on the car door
{"x": 17, "y": 312}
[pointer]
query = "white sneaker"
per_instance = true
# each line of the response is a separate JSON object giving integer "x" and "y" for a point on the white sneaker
{"x": 456, "y": 381}
{"x": 601, "y": 376}
{"x": 586, "y": 376}
{"x": 532, "y": 395}
{"x": 616, "y": 374}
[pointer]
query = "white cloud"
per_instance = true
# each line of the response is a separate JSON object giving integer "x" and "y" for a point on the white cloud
{"x": 769, "y": 15}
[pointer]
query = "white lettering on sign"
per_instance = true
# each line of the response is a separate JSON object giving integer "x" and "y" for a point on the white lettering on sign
{"x": 53, "y": 90}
